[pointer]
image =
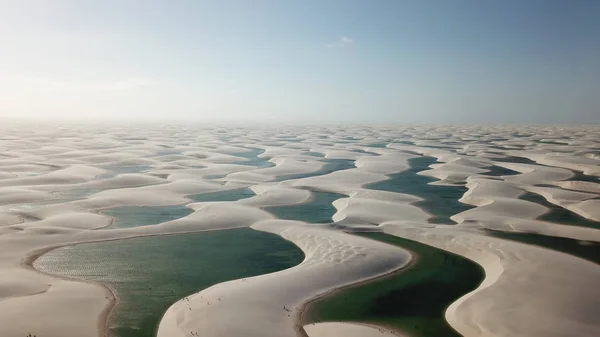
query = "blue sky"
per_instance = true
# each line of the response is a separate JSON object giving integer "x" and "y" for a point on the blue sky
{"x": 359, "y": 61}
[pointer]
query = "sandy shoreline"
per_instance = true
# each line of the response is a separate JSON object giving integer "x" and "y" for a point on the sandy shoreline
{"x": 302, "y": 313}
{"x": 105, "y": 316}
{"x": 113, "y": 300}
{"x": 29, "y": 230}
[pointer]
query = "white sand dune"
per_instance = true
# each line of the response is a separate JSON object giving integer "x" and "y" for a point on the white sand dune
{"x": 560, "y": 290}
{"x": 19, "y": 195}
{"x": 283, "y": 166}
{"x": 528, "y": 291}
{"x": 339, "y": 329}
{"x": 584, "y": 186}
{"x": 276, "y": 195}
{"x": 333, "y": 259}
{"x": 376, "y": 208}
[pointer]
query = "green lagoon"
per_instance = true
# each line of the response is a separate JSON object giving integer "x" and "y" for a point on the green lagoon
{"x": 412, "y": 300}
{"x": 149, "y": 274}
{"x": 439, "y": 201}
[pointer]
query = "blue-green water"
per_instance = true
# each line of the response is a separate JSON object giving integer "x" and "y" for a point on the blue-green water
{"x": 126, "y": 217}
{"x": 252, "y": 158}
{"x": 508, "y": 147}
{"x": 558, "y": 214}
{"x": 331, "y": 165}
{"x": 439, "y": 201}
{"x": 379, "y": 145}
{"x": 586, "y": 250}
{"x": 136, "y": 216}
{"x": 317, "y": 210}
{"x": 214, "y": 176}
{"x": 314, "y": 154}
{"x": 149, "y": 274}
{"x": 228, "y": 195}
{"x": 412, "y": 300}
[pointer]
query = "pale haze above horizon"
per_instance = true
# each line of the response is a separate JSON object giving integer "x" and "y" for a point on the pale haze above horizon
{"x": 462, "y": 61}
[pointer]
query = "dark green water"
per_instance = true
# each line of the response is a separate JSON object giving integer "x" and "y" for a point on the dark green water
{"x": 579, "y": 176}
{"x": 558, "y": 214}
{"x": 313, "y": 154}
{"x": 318, "y": 210}
{"x": 439, "y": 201}
{"x": 518, "y": 160}
{"x": 331, "y": 165}
{"x": 126, "y": 217}
{"x": 214, "y": 176}
{"x": 252, "y": 158}
{"x": 380, "y": 145}
{"x": 228, "y": 195}
{"x": 585, "y": 250}
{"x": 497, "y": 171}
{"x": 404, "y": 142}
{"x": 413, "y": 300}
{"x": 149, "y": 274}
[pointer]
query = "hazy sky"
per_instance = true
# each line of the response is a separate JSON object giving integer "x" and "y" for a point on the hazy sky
{"x": 373, "y": 61}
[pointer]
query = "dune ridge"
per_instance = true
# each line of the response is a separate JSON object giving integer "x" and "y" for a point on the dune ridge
{"x": 169, "y": 163}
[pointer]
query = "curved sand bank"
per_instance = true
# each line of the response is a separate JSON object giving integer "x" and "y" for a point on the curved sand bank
{"x": 333, "y": 259}
{"x": 330, "y": 329}
{"x": 180, "y": 156}
{"x": 513, "y": 272}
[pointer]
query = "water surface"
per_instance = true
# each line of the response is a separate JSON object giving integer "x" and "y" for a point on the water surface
{"x": 135, "y": 216}
{"x": 439, "y": 201}
{"x": 227, "y": 195}
{"x": 331, "y": 165}
{"x": 584, "y": 249}
{"x": 253, "y": 159}
{"x": 557, "y": 214}
{"x": 413, "y": 300}
{"x": 319, "y": 209}
{"x": 149, "y": 274}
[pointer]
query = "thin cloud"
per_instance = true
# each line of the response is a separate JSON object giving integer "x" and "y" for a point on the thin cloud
{"x": 133, "y": 82}
{"x": 117, "y": 85}
{"x": 342, "y": 42}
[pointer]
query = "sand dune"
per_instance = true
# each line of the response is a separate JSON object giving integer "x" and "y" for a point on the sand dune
{"x": 164, "y": 165}
{"x": 333, "y": 329}
{"x": 332, "y": 259}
